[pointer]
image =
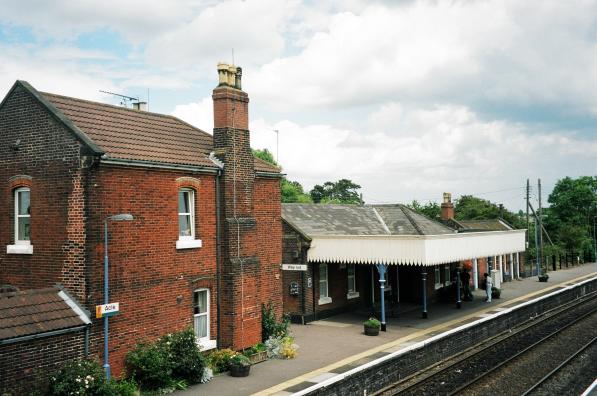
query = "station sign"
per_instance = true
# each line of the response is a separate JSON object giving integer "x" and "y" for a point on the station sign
{"x": 294, "y": 267}
{"x": 111, "y": 309}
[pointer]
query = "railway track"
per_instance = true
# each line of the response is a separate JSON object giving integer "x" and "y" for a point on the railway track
{"x": 492, "y": 367}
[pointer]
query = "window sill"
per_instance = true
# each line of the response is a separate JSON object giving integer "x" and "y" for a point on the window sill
{"x": 19, "y": 249}
{"x": 351, "y": 295}
{"x": 439, "y": 286}
{"x": 324, "y": 300}
{"x": 188, "y": 243}
{"x": 206, "y": 345}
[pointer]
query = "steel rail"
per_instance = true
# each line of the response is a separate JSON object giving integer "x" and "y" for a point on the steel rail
{"x": 560, "y": 366}
{"x": 465, "y": 355}
{"x": 522, "y": 352}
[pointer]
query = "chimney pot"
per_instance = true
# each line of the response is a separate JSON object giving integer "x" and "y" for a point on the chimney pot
{"x": 140, "y": 106}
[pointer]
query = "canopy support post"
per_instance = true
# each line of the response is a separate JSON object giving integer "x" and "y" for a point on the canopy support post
{"x": 382, "y": 281}
{"x": 424, "y": 278}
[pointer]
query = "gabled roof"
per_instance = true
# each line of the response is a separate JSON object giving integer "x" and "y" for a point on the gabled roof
{"x": 34, "y": 312}
{"x": 482, "y": 225}
{"x": 131, "y": 135}
{"x": 318, "y": 219}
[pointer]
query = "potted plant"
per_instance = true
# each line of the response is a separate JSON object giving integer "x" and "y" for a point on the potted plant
{"x": 240, "y": 365}
{"x": 257, "y": 353}
{"x": 543, "y": 278}
{"x": 372, "y": 327}
{"x": 495, "y": 292}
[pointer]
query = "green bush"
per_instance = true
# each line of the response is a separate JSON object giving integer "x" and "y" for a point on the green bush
{"x": 78, "y": 377}
{"x": 120, "y": 388}
{"x": 150, "y": 365}
{"x": 219, "y": 360}
{"x": 254, "y": 349}
{"x": 270, "y": 327}
{"x": 187, "y": 361}
{"x": 372, "y": 323}
{"x": 239, "y": 360}
{"x": 171, "y": 362}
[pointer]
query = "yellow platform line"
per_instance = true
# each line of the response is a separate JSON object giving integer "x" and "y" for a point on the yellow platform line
{"x": 330, "y": 368}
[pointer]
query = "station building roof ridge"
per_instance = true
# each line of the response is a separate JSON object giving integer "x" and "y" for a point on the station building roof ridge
{"x": 351, "y": 219}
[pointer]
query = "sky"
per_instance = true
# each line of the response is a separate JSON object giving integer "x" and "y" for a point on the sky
{"x": 409, "y": 99}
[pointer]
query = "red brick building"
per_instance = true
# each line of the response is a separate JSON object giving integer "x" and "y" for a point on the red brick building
{"x": 204, "y": 247}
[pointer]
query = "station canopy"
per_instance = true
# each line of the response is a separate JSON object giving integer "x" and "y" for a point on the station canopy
{"x": 391, "y": 234}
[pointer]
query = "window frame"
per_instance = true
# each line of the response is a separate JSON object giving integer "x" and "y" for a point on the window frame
{"x": 447, "y": 275}
{"x": 187, "y": 241}
{"x": 325, "y": 280}
{"x": 205, "y": 342}
{"x": 351, "y": 292}
{"x": 18, "y": 191}
{"x": 20, "y": 246}
{"x": 437, "y": 274}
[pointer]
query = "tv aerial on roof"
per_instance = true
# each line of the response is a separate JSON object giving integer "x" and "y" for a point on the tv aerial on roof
{"x": 124, "y": 100}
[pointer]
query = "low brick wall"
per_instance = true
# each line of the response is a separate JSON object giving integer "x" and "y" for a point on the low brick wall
{"x": 375, "y": 376}
{"x": 25, "y": 366}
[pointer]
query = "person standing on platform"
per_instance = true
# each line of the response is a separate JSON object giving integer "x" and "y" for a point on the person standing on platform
{"x": 466, "y": 288}
{"x": 488, "y": 285}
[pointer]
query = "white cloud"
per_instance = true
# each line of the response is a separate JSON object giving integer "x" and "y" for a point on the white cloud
{"x": 249, "y": 27}
{"x": 432, "y": 150}
{"x": 199, "y": 114}
{"x": 461, "y": 52}
{"x": 50, "y": 70}
{"x": 136, "y": 20}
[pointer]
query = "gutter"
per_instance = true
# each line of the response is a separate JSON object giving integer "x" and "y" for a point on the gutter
{"x": 273, "y": 175}
{"x": 158, "y": 165}
{"x": 46, "y": 334}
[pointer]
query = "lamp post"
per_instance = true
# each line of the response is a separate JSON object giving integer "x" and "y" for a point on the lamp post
{"x": 118, "y": 217}
{"x": 594, "y": 240}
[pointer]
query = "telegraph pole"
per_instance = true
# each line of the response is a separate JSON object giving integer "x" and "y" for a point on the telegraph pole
{"x": 540, "y": 225}
{"x": 528, "y": 224}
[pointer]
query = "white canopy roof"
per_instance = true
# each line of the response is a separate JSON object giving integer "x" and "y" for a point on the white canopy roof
{"x": 414, "y": 249}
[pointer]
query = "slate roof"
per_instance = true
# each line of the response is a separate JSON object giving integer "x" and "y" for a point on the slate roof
{"x": 482, "y": 225}
{"x": 30, "y": 312}
{"x": 126, "y": 134}
{"x": 318, "y": 219}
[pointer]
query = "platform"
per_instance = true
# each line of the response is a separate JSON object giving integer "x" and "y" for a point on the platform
{"x": 335, "y": 345}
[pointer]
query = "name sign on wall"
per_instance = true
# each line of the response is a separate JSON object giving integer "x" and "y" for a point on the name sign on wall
{"x": 294, "y": 267}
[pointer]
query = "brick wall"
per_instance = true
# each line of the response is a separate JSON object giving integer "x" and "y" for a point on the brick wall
{"x": 47, "y": 161}
{"x": 25, "y": 366}
{"x": 152, "y": 280}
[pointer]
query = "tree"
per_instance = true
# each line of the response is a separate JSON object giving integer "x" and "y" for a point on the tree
{"x": 265, "y": 155}
{"x": 343, "y": 191}
{"x": 573, "y": 204}
{"x": 430, "y": 209}
{"x": 291, "y": 191}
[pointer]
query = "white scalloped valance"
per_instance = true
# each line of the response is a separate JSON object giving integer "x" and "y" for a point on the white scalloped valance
{"x": 414, "y": 249}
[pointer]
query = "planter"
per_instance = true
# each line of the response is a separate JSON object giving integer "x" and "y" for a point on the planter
{"x": 258, "y": 357}
{"x": 371, "y": 331}
{"x": 495, "y": 292}
{"x": 240, "y": 370}
{"x": 543, "y": 278}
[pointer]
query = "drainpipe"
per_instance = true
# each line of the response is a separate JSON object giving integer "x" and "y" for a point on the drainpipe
{"x": 218, "y": 255}
{"x": 87, "y": 341}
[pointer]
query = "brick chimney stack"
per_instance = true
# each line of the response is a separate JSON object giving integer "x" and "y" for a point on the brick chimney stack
{"x": 231, "y": 138}
{"x": 447, "y": 207}
{"x": 240, "y": 308}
